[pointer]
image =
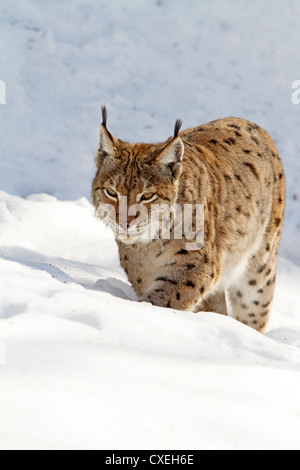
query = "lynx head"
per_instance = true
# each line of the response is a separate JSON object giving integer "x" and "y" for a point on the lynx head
{"x": 132, "y": 180}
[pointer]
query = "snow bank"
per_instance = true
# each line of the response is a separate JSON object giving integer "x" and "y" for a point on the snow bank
{"x": 64, "y": 388}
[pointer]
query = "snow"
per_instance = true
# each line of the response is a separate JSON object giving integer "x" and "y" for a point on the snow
{"x": 83, "y": 365}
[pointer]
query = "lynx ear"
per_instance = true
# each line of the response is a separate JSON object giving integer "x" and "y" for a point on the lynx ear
{"x": 107, "y": 143}
{"x": 171, "y": 156}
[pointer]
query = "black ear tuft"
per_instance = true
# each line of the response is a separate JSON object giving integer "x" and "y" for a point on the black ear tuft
{"x": 178, "y": 125}
{"x": 104, "y": 116}
{"x": 104, "y": 121}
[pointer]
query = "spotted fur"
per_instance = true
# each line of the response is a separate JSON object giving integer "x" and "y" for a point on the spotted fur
{"x": 232, "y": 167}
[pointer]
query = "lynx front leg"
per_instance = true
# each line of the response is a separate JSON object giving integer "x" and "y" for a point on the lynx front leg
{"x": 184, "y": 286}
{"x": 173, "y": 294}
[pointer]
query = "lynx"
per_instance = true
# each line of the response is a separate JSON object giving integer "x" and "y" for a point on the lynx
{"x": 230, "y": 166}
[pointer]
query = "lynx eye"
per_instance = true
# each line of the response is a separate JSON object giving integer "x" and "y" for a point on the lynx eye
{"x": 111, "y": 194}
{"x": 148, "y": 197}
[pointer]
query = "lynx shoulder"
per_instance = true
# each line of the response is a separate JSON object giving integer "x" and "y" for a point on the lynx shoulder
{"x": 232, "y": 169}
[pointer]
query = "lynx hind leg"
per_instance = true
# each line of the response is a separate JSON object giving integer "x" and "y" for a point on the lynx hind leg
{"x": 214, "y": 303}
{"x": 251, "y": 298}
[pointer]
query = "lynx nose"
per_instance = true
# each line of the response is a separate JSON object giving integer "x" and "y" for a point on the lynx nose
{"x": 124, "y": 225}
